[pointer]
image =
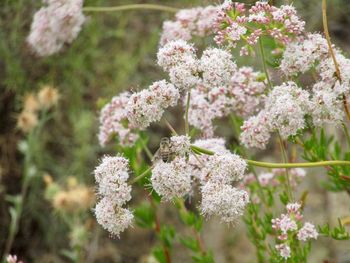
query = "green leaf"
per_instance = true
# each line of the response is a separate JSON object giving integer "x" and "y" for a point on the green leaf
{"x": 144, "y": 215}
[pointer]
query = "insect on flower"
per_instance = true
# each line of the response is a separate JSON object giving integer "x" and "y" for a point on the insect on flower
{"x": 165, "y": 152}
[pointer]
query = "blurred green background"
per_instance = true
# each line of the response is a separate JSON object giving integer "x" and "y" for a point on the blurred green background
{"x": 113, "y": 52}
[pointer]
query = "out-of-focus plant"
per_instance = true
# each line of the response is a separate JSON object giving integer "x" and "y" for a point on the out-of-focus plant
{"x": 31, "y": 121}
{"x": 72, "y": 203}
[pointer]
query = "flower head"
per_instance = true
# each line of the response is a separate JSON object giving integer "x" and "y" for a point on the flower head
{"x": 112, "y": 218}
{"x": 148, "y": 105}
{"x": 224, "y": 168}
{"x": 113, "y": 121}
{"x": 171, "y": 180}
{"x": 57, "y": 23}
{"x": 224, "y": 201}
{"x": 307, "y": 232}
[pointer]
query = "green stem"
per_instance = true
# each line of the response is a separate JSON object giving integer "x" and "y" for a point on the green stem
{"x": 201, "y": 150}
{"x": 346, "y": 131}
{"x": 139, "y": 177}
{"x": 131, "y": 7}
{"x": 264, "y": 63}
{"x": 282, "y": 165}
{"x": 170, "y": 127}
{"x": 298, "y": 165}
{"x": 147, "y": 150}
{"x": 285, "y": 160}
{"x": 187, "y": 129}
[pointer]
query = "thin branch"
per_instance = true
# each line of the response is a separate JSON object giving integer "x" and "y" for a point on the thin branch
{"x": 130, "y": 7}
{"x": 298, "y": 165}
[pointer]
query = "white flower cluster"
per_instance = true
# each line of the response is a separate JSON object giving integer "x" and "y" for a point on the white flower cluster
{"x": 224, "y": 201}
{"x": 327, "y": 93}
{"x": 113, "y": 121}
{"x": 197, "y": 21}
{"x": 215, "y": 173}
{"x": 219, "y": 197}
{"x": 287, "y": 105}
{"x": 148, "y": 105}
{"x": 299, "y": 57}
{"x": 236, "y": 23}
{"x": 114, "y": 192}
{"x": 181, "y": 145}
{"x": 171, "y": 180}
{"x": 178, "y": 58}
{"x": 217, "y": 86}
{"x": 216, "y": 145}
{"x": 285, "y": 108}
{"x": 54, "y": 25}
{"x": 289, "y": 226}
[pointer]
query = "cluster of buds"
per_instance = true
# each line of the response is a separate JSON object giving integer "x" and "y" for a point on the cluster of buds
{"x": 236, "y": 23}
{"x": 289, "y": 226}
{"x": 114, "y": 192}
{"x": 55, "y": 24}
{"x": 46, "y": 98}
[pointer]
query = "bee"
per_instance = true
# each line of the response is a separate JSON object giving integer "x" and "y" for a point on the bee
{"x": 164, "y": 152}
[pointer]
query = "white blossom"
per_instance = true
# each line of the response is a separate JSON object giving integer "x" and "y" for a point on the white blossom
{"x": 217, "y": 67}
{"x": 148, "y": 105}
{"x": 224, "y": 168}
{"x": 284, "y": 250}
{"x": 287, "y": 106}
{"x": 224, "y": 201}
{"x": 112, "y": 122}
{"x": 300, "y": 56}
{"x": 171, "y": 180}
{"x": 307, "y": 232}
{"x": 180, "y": 145}
{"x": 55, "y": 24}
{"x": 112, "y": 218}
{"x": 256, "y": 131}
{"x": 175, "y": 53}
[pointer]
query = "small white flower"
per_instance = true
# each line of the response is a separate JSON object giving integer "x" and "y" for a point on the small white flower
{"x": 148, "y": 105}
{"x": 224, "y": 168}
{"x": 284, "y": 250}
{"x": 57, "y": 23}
{"x": 307, "y": 232}
{"x": 117, "y": 166}
{"x": 181, "y": 145}
{"x": 287, "y": 106}
{"x": 112, "y": 218}
{"x": 256, "y": 131}
{"x": 112, "y": 122}
{"x": 111, "y": 176}
{"x": 171, "y": 180}
{"x": 217, "y": 67}
{"x": 175, "y": 53}
{"x": 224, "y": 201}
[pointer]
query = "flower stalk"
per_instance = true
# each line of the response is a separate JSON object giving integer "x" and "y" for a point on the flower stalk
{"x": 131, "y": 7}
